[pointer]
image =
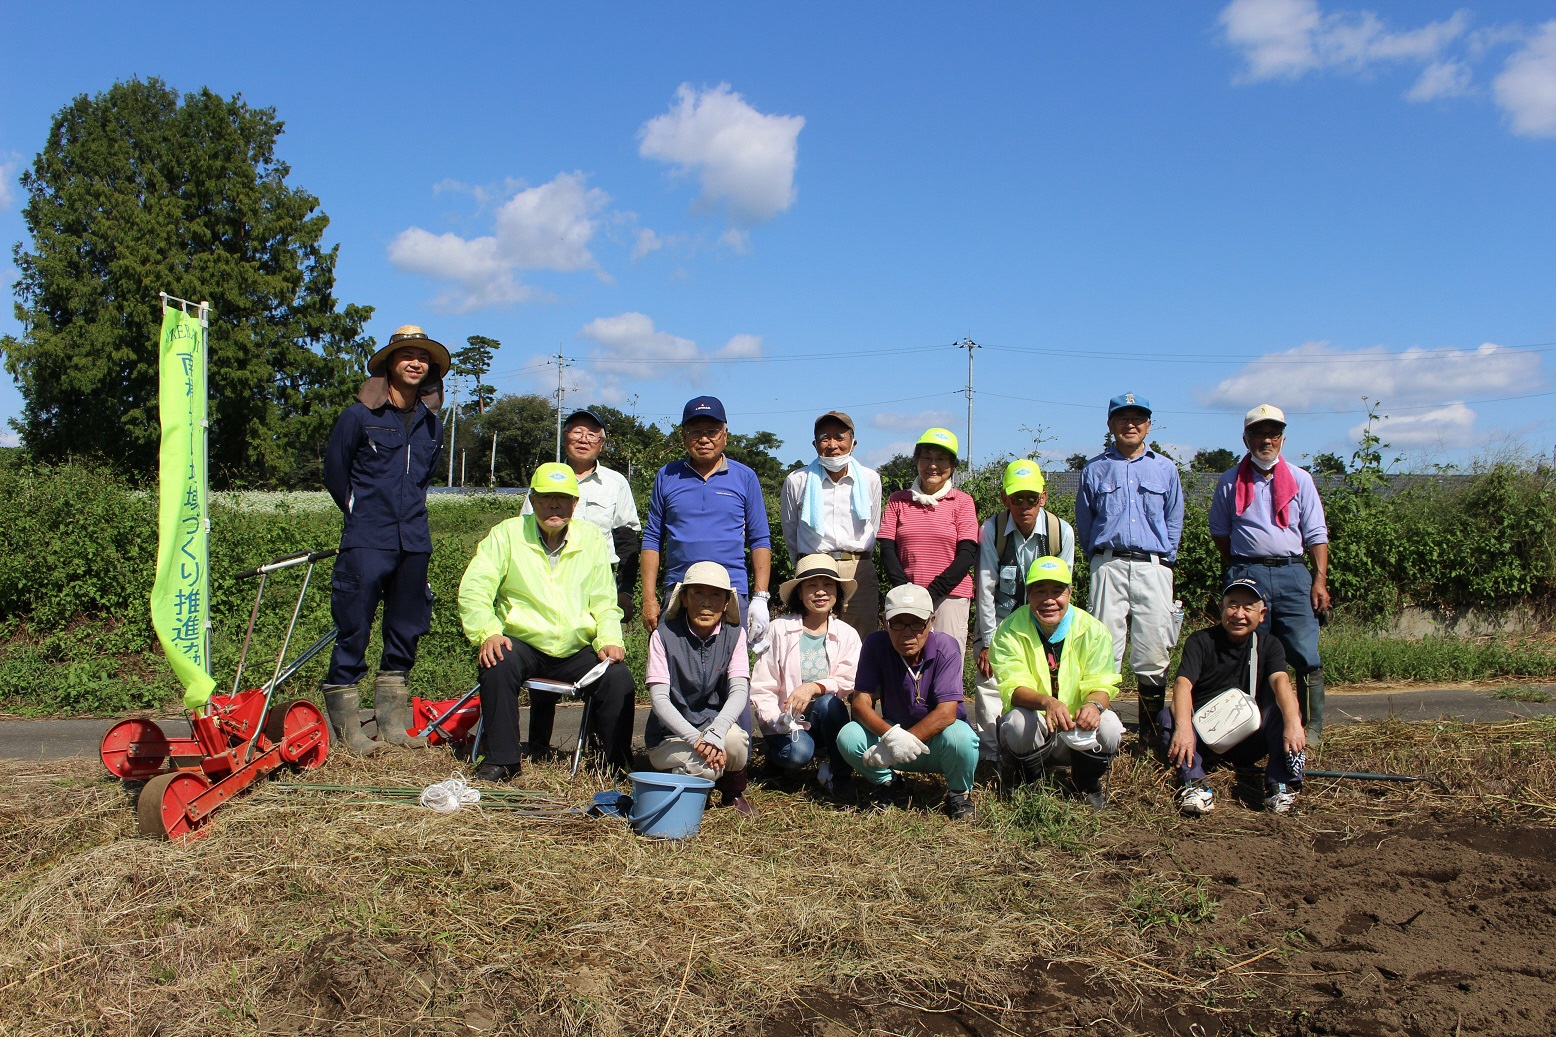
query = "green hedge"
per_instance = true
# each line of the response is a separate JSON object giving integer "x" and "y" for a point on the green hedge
{"x": 77, "y": 549}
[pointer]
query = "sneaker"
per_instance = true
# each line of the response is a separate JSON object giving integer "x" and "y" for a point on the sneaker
{"x": 1096, "y": 798}
{"x": 871, "y": 798}
{"x": 959, "y": 806}
{"x": 824, "y": 775}
{"x": 1280, "y": 799}
{"x": 496, "y": 772}
{"x": 1196, "y": 801}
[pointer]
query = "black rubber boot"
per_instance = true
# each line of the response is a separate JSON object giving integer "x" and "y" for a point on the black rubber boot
{"x": 1310, "y": 696}
{"x": 1152, "y": 700}
{"x": 392, "y": 705}
{"x": 344, "y": 706}
{"x": 1090, "y": 774}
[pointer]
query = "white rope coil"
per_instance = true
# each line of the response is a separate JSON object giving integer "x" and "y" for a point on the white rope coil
{"x": 447, "y": 796}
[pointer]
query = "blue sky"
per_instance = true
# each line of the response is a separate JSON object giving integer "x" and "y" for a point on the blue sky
{"x": 804, "y": 206}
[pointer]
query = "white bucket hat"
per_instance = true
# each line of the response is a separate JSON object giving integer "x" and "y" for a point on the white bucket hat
{"x": 706, "y": 574}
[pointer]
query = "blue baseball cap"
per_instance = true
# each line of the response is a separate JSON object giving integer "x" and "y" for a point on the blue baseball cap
{"x": 1247, "y": 583}
{"x": 1128, "y": 399}
{"x": 704, "y": 407}
{"x": 583, "y": 412}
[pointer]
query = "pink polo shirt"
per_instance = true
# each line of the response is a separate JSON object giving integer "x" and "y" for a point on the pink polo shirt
{"x": 926, "y": 537}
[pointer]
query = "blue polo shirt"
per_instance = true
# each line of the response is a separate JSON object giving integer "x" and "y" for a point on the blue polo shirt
{"x": 692, "y": 519}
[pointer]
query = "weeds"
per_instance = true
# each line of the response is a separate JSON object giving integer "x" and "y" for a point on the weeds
{"x": 1169, "y": 903}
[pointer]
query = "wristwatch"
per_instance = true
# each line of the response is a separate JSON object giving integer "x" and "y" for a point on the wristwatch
{"x": 764, "y": 595}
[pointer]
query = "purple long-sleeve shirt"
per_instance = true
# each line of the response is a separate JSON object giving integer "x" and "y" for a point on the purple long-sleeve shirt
{"x": 1254, "y": 533}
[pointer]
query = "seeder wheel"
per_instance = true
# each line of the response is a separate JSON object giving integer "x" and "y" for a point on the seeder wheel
{"x": 163, "y": 802}
{"x": 292, "y": 719}
{"x": 134, "y": 749}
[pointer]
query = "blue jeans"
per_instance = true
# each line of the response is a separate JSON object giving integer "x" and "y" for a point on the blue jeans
{"x": 826, "y": 715}
{"x": 1290, "y": 615}
{"x": 1268, "y": 741}
{"x": 953, "y": 752}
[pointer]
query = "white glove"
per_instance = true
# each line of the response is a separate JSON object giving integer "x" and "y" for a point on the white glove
{"x": 756, "y": 625}
{"x": 896, "y": 747}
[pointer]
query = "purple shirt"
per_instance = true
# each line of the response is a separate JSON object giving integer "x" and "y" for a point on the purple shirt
{"x": 1254, "y": 533}
{"x": 900, "y": 699}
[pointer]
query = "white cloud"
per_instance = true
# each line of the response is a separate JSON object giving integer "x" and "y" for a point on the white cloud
{"x": 647, "y": 241}
{"x": 548, "y": 227}
{"x": 7, "y": 185}
{"x": 1286, "y": 39}
{"x": 1441, "y": 79}
{"x": 877, "y": 456}
{"x": 1526, "y": 88}
{"x": 743, "y": 159}
{"x": 10, "y": 439}
{"x": 897, "y": 421}
{"x": 1444, "y": 428}
{"x": 632, "y": 336}
{"x": 741, "y": 347}
{"x": 1315, "y": 376}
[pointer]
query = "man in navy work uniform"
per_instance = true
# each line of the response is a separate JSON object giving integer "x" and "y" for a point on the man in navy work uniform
{"x": 708, "y": 508}
{"x": 381, "y": 456}
{"x": 1264, "y": 515}
{"x": 1129, "y": 519}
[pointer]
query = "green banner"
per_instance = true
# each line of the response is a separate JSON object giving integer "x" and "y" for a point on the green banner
{"x": 180, "y": 599}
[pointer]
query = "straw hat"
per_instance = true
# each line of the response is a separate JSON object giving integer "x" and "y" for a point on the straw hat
{"x": 410, "y": 335}
{"x": 816, "y": 565}
{"x": 706, "y": 574}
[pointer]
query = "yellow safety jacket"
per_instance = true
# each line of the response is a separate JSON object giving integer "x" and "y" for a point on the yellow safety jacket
{"x": 1085, "y": 664}
{"x": 509, "y": 588}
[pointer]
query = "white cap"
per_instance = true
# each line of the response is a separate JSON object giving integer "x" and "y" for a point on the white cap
{"x": 909, "y": 600}
{"x": 1264, "y": 412}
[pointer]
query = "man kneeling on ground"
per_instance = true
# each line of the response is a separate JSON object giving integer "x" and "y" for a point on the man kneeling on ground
{"x": 538, "y": 601}
{"x": 699, "y": 679}
{"x": 1214, "y": 660}
{"x": 1056, "y": 672}
{"x": 908, "y": 707}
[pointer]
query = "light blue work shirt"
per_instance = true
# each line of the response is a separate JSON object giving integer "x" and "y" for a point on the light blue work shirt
{"x": 1254, "y": 533}
{"x": 1129, "y": 505}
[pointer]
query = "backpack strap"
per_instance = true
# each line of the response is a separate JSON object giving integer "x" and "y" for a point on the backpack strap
{"x": 1055, "y": 534}
{"x": 1253, "y": 666}
{"x": 1000, "y": 536}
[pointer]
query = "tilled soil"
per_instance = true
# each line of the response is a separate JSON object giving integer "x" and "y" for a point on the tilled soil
{"x": 1391, "y": 927}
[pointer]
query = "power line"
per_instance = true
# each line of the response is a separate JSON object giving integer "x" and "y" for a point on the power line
{"x": 1468, "y": 352}
{"x": 1288, "y": 410}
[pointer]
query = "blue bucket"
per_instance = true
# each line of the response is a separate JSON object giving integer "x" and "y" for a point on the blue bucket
{"x": 667, "y": 806}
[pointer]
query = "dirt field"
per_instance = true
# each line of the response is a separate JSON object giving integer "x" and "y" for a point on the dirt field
{"x": 1377, "y": 909}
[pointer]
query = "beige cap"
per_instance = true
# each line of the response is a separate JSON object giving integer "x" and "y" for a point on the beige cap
{"x": 837, "y": 416}
{"x": 909, "y": 600}
{"x": 1264, "y": 412}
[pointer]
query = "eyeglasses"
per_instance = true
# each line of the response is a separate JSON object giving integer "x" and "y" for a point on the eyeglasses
{"x": 579, "y": 432}
{"x": 702, "y": 433}
{"x": 833, "y": 437}
{"x": 1131, "y": 422}
{"x": 906, "y": 626}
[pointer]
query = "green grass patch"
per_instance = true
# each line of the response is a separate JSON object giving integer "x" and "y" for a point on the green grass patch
{"x": 1515, "y": 693}
{"x": 1354, "y": 655}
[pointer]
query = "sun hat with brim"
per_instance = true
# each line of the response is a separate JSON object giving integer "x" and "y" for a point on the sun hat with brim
{"x": 705, "y": 574}
{"x": 553, "y": 477}
{"x": 943, "y": 438}
{"x": 409, "y": 335}
{"x": 1023, "y": 476}
{"x": 1050, "y": 568}
{"x": 909, "y": 600}
{"x": 816, "y": 565}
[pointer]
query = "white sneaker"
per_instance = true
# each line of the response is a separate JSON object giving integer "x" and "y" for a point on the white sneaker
{"x": 824, "y": 774}
{"x": 1196, "y": 800}
{"x": 1280, "y": 799}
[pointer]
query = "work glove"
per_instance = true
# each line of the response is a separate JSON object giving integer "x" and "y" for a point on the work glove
{"x": 898, "y": 746}
{"x": 756, "y": 625}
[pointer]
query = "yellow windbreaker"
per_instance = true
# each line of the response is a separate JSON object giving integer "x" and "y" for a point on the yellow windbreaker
{"x": 508, "y": 588}
{"x": 1085, "y": 664}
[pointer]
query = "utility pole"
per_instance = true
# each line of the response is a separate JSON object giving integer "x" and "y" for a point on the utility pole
{"x": 561, "y": 364}
{"x": 491, "y": 478}
{"x": 969, "y": 345}
{"x": 453, "y": 425}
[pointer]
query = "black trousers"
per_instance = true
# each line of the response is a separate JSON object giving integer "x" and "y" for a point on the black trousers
{"x": 610, "y": 715}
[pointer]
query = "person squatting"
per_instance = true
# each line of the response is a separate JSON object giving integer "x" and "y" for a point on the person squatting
{"x": 835, "y": 680}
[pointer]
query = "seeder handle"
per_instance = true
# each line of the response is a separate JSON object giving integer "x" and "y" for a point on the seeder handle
{"x": 286, "y": 562}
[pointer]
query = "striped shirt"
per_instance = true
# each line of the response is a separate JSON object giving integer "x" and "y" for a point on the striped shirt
{"x": 926, "y": 537}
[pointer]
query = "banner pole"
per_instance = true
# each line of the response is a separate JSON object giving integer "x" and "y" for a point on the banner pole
{"x": 205, "y": 466}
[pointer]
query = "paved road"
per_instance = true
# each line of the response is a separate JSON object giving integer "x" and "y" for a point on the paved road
{"x": 63, "y": 739}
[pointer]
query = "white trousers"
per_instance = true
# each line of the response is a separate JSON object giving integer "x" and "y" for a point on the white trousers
{"x": 1135, "y": 598}
{"x": 985, "y": 716}
{"x": 951, "y": 618}
{"x": 1025, "y": 731}
{"x": 678, "y": 756}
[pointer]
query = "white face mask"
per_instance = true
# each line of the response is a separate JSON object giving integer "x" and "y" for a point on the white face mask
{"x": 835, "y": 464}
{"x": 1260, "y": 463}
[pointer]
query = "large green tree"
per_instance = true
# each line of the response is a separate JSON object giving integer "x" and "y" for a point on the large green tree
{"x": 139, "y": 191}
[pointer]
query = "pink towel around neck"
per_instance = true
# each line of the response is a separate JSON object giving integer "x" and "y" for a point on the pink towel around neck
{"x": 1281, "y": 494}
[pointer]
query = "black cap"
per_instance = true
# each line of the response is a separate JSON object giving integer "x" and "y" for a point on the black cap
{"x": 583, "y": 412}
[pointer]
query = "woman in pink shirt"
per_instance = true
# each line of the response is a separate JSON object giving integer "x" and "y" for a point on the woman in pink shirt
{"x": 929, "y": 534}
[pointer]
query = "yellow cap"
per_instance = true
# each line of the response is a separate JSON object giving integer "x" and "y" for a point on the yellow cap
{"x": 1023, "y": 476}
{"x": 1049, "y": 568}
{"x": 553, "y": 477}
{"x": 943, "y": 438}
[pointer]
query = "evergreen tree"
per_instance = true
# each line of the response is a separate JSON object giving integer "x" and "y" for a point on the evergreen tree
{"x": 138, "y": 191}
{"x": 473, "y": 362}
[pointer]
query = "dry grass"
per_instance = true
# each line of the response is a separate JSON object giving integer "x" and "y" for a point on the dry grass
{"x": 331, "y": 916}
